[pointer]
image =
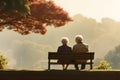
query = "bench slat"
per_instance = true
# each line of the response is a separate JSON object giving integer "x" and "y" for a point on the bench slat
{"x": 70, "y": 63}
{"x": 71, "y": 56}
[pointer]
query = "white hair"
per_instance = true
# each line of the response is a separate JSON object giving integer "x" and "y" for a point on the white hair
{"x": 65, "y": 40}
{"x": 79, "y": 37}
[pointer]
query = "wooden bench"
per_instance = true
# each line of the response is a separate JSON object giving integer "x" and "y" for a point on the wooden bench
{"x": 53, "y": 58}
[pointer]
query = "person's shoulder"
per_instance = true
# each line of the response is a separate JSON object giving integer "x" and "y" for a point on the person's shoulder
{"x": 85, "y": 44}
{"x": 69, "y": 47}
{"x": 60, "y": 47}
{"x": 75, "y": 45}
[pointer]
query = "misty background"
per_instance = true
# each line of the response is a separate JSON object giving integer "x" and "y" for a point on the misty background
{"x": 31, "y": 51}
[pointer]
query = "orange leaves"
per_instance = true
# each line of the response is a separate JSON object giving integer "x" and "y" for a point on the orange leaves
{"x": 47, "y": 12}
{"x": 43, "y": 13}
{"x": 1, "y": 28}
{"x": 28, "y": 25}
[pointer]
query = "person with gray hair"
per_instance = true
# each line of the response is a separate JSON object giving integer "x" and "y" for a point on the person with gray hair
{"x": 78, "y": 48}
{"x": 66, "y": 49}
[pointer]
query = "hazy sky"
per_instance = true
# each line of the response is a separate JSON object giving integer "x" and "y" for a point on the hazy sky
{"x": 96, "y": 9}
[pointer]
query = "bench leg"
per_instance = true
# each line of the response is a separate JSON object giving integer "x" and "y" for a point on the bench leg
{"x": 49, "y": 65}
{"x": 91, "y": 66}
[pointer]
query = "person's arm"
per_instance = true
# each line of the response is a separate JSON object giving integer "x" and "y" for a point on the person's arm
{"x": 58, "y": 50}
{"x": 73, "y": 49}
{"x": 70, "y": 49}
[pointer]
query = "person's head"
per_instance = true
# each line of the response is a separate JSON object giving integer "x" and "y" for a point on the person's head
{"x": 78, "y": 38}
{"x": 64, "y": 40}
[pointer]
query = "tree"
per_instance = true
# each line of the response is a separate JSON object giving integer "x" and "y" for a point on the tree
{"x": 28, "y": 55}
{"x": 3, "y": 62}
{"x": 113, "y": 57}
{"x": 26, "y": 16}
{"x": 104, "y": 65}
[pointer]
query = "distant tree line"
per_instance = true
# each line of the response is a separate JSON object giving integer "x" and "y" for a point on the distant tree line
{"x": 113, "y": 57}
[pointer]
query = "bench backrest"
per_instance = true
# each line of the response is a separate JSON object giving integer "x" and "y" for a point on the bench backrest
{"x": 71, "y": 55}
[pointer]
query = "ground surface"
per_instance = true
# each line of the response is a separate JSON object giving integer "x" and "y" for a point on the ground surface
{"x": 59, "y": 75}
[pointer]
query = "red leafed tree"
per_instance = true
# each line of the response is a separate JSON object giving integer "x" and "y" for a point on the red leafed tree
{"x": 27, "y": 16}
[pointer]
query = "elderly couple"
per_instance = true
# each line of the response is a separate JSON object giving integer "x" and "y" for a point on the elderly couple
{"x": 77, "y": 48}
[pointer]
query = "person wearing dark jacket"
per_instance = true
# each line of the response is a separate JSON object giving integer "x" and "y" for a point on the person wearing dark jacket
{"x": 64, "y": 48}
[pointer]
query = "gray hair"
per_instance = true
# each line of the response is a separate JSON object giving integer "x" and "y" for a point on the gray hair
{"x": 79, "y": 37}
{"x": 65, "y": 40}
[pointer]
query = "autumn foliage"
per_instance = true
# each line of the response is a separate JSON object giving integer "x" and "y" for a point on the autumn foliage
{"x": 27, "y": 16}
